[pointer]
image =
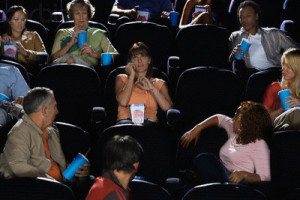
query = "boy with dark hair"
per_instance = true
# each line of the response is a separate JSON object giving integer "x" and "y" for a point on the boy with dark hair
{"x": 121, "y": 161}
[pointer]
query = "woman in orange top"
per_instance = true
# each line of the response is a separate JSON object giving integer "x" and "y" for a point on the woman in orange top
{"x": 138, "y": 87}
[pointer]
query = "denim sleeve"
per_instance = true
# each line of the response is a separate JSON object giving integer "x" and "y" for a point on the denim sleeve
{"x": 19, "y": 87}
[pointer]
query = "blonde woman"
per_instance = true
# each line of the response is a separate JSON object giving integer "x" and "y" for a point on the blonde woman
{"x": 290, "y": 62}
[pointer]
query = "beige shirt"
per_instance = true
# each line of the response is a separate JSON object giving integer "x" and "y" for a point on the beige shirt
{"x": 24, "y": 155}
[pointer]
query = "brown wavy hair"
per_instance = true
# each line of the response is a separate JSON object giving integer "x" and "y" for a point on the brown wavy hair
{"x": 143, "y": 49}
{"x": 255, "y": 122}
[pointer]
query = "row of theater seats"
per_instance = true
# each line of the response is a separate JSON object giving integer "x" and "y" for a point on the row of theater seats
{"x": 193, "y": 46}
{"x": 156, "y": 166}
{"x": 284, "y": 9}
{"x": 198, "y": 92}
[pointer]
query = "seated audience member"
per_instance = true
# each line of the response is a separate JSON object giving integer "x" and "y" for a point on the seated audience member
{"x": 266, "y": 43}
{"x": 28, "y": 43}
{"x": 245, "y": 156}
{"x": 290, "y": 62}
{"x": 121, "y": 162}
{"x": 138, "y": 87}
{"x": 12, "y": 85}
{"x": 33, "y": 146}
{"x": 65, "y": 48}
{"x": 129, "y": 8}
{"x": 191, "y": 16}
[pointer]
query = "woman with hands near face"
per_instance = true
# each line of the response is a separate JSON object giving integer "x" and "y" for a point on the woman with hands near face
{"x": 245, "y": 155}
{"x": 138, "y": 87}
{"x": 203, "y": 17}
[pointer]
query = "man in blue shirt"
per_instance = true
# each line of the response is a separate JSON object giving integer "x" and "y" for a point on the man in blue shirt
{"x": 157, "y": 8}
{"x": 13, "y": 85}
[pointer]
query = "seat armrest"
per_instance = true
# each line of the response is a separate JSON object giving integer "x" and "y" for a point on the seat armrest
{"x": 98, "y": 114}
{"x": 173, "y": 116}
{"x": 173, "y": 62}
{"x": 113, "y": 19}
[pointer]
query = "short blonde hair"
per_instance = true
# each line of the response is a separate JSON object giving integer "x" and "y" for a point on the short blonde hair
{"x": 291, "y": 58}
{"x": 81, "y": 4}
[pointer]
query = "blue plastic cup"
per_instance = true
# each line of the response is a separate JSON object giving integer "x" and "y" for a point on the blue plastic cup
{"x": 82, "y": 38}
{"x": 71, "y": 170}
{"x": 174, "y": 16}
{"x": 284, "y": 97}
{"x": 245, "y": 45}
{"x": 3, "y": 97}
{"x": 106, "y": 59}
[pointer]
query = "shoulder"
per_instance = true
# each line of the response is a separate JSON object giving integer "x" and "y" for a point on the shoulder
{"x": 260, "y": 145}
{"x": 223, "y": 118}
{"x": 64, "y": 31}
{"x": 274, "y": 86}
{"x": 96, "y": 32}
{"x": 236, "y": 33}
{"x": 272, "y": 30}
{"x": 30, "y": 33}
{"x": 19, "y": 130}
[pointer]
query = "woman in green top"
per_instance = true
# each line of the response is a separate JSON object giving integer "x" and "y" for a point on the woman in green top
{"x": 65, "y": 48}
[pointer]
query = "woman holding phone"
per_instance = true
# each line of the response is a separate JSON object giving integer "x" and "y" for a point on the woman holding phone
{"x": 138, "y": 86}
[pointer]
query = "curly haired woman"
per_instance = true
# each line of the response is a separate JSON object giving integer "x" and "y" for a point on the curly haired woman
{"x": 245, "y": 155}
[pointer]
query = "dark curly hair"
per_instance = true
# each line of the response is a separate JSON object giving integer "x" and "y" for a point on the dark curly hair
{"x": 254, "y": 122}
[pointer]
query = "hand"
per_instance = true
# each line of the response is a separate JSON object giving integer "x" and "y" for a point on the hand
{"x": 6, "y": 38}
{"x": 21, "y": 49}
{"x": 19, "y": 100}
{"x": 292, "y": 102}
{"x": 189, "y": 136}
{"x": 144, "y": 84}
{"x": 70, "y": 61}
{"x": 237, "y": 50}
{"x": 87, "y": 50}
{"x": 208, "y": 9}
{"x": 130, "y": 70}
{"x": 237, "y": 176}
{"x": 164, "y": 15}
{"x": 132, "y": 13}
{"x": 83, "y": 171}
{"x": 74, "y": 37}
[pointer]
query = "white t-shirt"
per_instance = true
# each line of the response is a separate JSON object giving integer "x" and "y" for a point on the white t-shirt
{"x": 257, "y": 54}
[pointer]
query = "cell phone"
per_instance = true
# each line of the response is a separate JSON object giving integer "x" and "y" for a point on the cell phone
{"x": 200, "y": 9}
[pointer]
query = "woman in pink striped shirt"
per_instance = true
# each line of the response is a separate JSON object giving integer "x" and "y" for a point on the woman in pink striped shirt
{"x": 245, "y": 155}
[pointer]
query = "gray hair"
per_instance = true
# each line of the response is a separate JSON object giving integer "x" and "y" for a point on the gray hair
{"x": 82, "y": 4}
{"x": 35, "y": 98}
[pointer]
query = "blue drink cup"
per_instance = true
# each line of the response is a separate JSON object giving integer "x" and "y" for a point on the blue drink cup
{"x": 71, "y": 170}
{"x": 3, "y": 97}
{"x": 245, "y": 45}
{"x": 284, "y": 97}
{"x": 174, "y": 18}
{"x": 82, "y": 38}
{"x": 106, "y": 59}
